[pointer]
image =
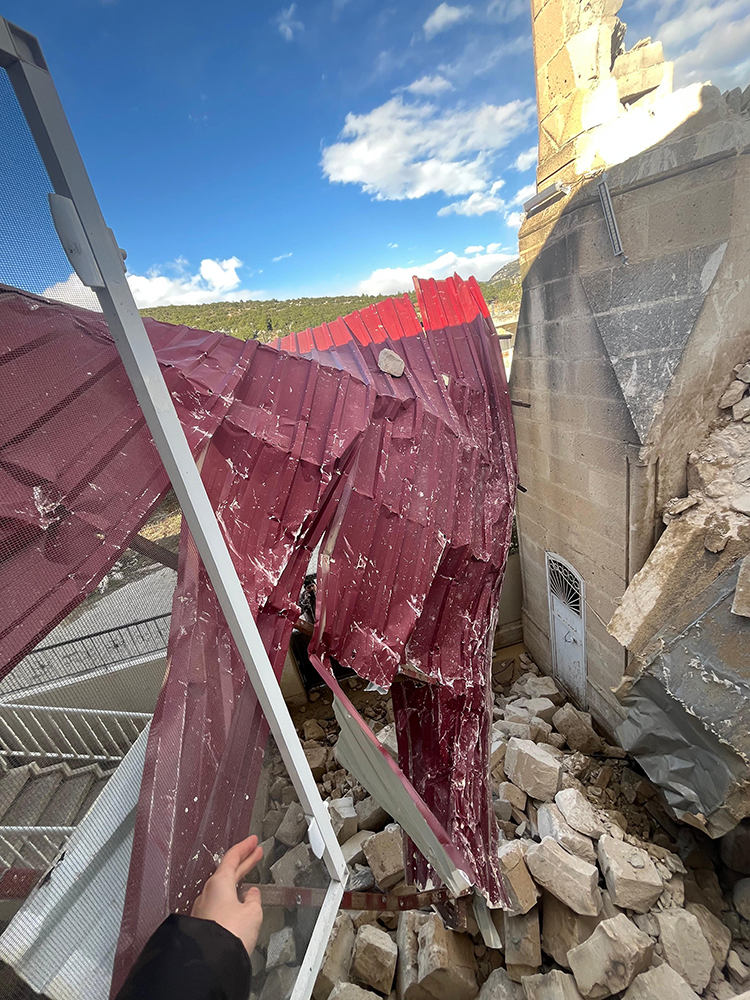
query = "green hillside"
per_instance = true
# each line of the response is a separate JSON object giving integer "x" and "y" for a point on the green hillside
{"x": 268, "y": 319}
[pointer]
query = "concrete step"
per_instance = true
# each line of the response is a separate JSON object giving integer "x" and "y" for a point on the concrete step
{"x": 34, "y": 797}
{"x": 92, "y": 795}
{"x": 68, "y": 798}
{"x": 11, "y": 785}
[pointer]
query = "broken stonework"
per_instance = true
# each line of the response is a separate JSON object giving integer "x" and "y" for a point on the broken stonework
{"x": 337, "y": 957}
{"x": 385, "y": 856}
{"x": 349, "y": 991}
{"x": 741, "y": 897}
{"x": 370, "y": 815}
{"x": 521, "y": 889}
{"x": 631, "y": 876}
{"x": 532, "y": 768}
{"x": 685, "y": 947}
{"x": 511, "y": 794}
{"x": 579, "y": 812}
{"x": 343, "y": 818}
{"x": 563, "y": 929}
{"x": 499, "y": 986}
{"x": 523, "y": 950}
{"x": 577, "y": 729}
{"x": 281, "y": 948}
{"x": 287, "y": 869}
{"x": 279, "y": 984}
{"x": 353, "y": 849}
{"x": 551, "y": 823}
{"x": 447, "y": 966}
{"x": 611, "y": 958}
{"x": 717, "y": 934}
{"x": 391, "y": 363}
{"x": 555, "y": 985}
{"x": 374, "y": 959}
{"x": 293, "y": 826}
{"x": 571, "y": 879}
{"x": 661, "y": 983}
{"x": 407, "y": 969}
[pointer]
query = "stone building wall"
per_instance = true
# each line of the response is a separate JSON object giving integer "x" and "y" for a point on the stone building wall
{"x": 622, "y": 363}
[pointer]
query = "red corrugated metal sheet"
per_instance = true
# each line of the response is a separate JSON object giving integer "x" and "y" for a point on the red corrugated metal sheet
{"x": 410, "y": 480}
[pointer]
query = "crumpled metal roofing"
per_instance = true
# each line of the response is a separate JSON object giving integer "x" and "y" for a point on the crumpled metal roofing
{"x": 411, "y": 482}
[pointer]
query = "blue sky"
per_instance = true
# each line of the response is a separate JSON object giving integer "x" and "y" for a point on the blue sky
{"x": 259, "y": 149}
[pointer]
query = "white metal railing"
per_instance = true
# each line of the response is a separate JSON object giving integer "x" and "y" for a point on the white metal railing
{"x": 81, "y": 735}
{"x": 33, "y": 847}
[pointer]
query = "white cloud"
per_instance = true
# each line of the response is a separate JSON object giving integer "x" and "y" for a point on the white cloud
{"x": 477, "y": 249}
{"x": 707, "y": 39}
{"x": 393, "y": 246}
{"x": 407, "y": 150}
{"x": 493, "y": 247}
{"x": 286, "y": 23}
{"x": 216, "y": 281}
{"x": 526, "y": 192}
{"x": 282, "y": 256}
{"x": 389, "y": 280}
{"x": 527, "y": 159}
{"x": 442, "y": 17}
{"x": 514, "y": 219}
{"x": 478, "y": 203}
{"x": 428, "y": 86}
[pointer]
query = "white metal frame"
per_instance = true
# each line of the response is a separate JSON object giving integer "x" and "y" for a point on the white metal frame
{"x": 553, "y": 644}
{"x": 94, "y": 255}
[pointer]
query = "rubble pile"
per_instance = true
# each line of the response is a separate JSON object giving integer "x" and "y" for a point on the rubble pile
{"x": 610, "y": 897}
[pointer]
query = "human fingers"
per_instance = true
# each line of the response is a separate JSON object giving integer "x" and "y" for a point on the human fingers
{"x": 250, "y": 895}
{"x": 249, "y": 863}
{"x": 236, "y": 856}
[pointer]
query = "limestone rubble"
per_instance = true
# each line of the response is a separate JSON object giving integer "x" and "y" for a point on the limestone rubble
{"x": 648, "y": 911}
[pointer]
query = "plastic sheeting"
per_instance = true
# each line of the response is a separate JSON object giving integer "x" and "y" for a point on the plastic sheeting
{"x": 409, "y": 480}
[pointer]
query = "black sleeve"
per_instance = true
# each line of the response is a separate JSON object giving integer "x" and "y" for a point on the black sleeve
{"x": 189, "y": 959}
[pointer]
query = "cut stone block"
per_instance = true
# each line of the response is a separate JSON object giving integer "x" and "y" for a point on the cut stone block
{"x": 353, "y": 848}
{"x": 533, "y": 769}
{"x": 741, "y": 897}
{"x": 579, "y": 813}
{"x": 523, "y": 949}
{"x": 387, "y": 736}
{"x": 577, "y": 728}
{"x": 286, "y": 870}
{"x": 550, "y": 822}
{"x": 447, "y": 966}
{"x": 293, "y": 826}
{"x": 281, "y": 948}
{"x": 573, "y": 880}
{"x": 343, "y": 818}
{"x": 370, "y": 815}
{"x": 630, "y": 874}
{"x": 611, "y": 958}
{"x": 313, "y": 730}
{"x": 562, "y": 929}
{"x": 541, "y": 707}
{"x": 520, "y": 886}
{"x": 336, "y": 958}
{"x": 685, "y": 947}
{"x": 385, "y": 856}
{"x": 407, "y": 970}
{"x": 279, "y": 983}
{"x": 510, "y": 793}
{"x": 350, "y": 991}
{"x": 317, "y": 758}
{"x": 717, "y": 934}
{"x": 555, "y": 985}
{"x": 661, "y": 983}
{"x": 374, "y": 959}
{"x": 499, "y": 986}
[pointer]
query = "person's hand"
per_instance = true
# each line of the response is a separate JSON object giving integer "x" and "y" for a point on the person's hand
{"x": 221, "y": 900}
